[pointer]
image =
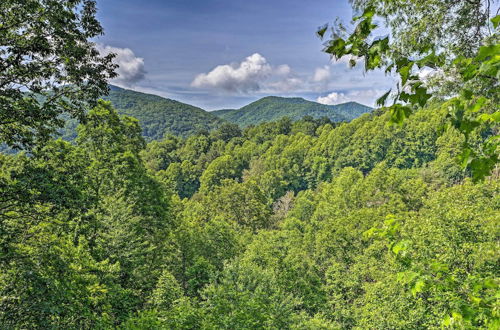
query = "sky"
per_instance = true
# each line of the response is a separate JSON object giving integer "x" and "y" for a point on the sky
{"x": 220, "y": 54}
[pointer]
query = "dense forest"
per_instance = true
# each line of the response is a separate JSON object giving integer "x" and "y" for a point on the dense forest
{"x": 389, "y": 221}
{"x": 285, "y": 224}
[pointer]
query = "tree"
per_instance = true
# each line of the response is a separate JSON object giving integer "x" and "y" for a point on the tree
{"x": 226, "y": 132}
{"x": 224, "y": 167}
{"x": 158, "y": 155}
{"x": 455, "y": 27}
{"x": 49, "y": 67}
{"x": 167, "y": 291}
{"x": 460, "y": 49}
{"x": 131, "y": 218}
{"x": 247, "y": 296}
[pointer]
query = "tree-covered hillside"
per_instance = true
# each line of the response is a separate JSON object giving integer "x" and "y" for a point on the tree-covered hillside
{"x": 158, "y": 116}
{"x": 307, "y": 224}
{"x": 272, "y": 108}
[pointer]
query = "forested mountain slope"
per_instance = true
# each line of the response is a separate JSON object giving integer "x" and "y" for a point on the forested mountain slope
{"x": 272, "y": 108}
{"x": 158, "y": 116}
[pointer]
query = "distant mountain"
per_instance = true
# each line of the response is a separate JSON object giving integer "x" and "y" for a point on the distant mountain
{"x": 272, "y": 108}
{"x": 351, "y": 110}
{"x": 158, "y": 116}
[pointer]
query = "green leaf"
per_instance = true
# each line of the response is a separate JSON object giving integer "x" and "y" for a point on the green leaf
{"x": 379, "y": 46}
{"x": 488, "y": 69}
{"x": 322, "y": 30}
{"x": 432, "y": 61}
{"x": 476, "y": 300}
{"x": 401, "y": 62}
{"x": 481, "y": 167}
{"x": 467, "y": 126}
{"x": 381, "y": 100}
{"x": 336, "y": 47}
{"x": 399, "y": 113}
{"x": 478, "y": 105}
{"x": 465, "y": 157}
{"x": 490, "y": 283}
{"x": 401, "y": 246}
{"x": 404, "y": 72}
{"x": 439, "y": 267}
{"x": 447, "y": 321}
{"x": 369, "y": 12}
{"x": 496, "y": 21}
{"x": 418, "y": 287}
{"x": 407, "y": 276}
{"x": 373, "y": 62}
{"x": 421, "y": 96}
{"x": 457, "y": 316}
{"x": 466, "y": 93}
{"x": 488, "y": 51}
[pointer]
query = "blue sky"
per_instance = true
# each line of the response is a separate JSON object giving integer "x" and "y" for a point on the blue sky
{"x": 219, "y": 54}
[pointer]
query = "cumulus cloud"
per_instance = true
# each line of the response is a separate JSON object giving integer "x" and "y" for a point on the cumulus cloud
{"x": 322, "y": 74}
{"x": 252, "y": 74}
{"x": 332, "y": 98}
{"x": 283, "y": 70}
{"x": 130, "y": 67}
{"x": 255, "y": 75}
{"x": 367, "y": 96}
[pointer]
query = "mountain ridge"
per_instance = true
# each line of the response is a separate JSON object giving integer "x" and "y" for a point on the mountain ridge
{"x": 271, "y": 108}
{"x": 160, "y": 116}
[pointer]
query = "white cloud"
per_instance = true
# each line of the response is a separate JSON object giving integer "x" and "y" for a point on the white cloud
{"x": 286, "y": 85}
{"x": 322, "y": 74}
{"x": 283, "y": 70}
{"x": 255, "y": 75}
{"x": 252, "y": 74}
{"x": 367, "y": 96}
{"x": 332, "y": 98}
{"x": 130, "y": 67}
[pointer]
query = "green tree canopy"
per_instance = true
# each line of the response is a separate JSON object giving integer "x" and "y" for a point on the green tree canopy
{"x": 48, "y": 66}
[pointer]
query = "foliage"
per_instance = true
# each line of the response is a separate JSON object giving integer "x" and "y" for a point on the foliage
{"x": 468, "y": 53}
{"x": 299, "y": 225}
{"x": 305, "y": 224}
{"x": 159, "y": 116}
{"x": 49, "y": 67}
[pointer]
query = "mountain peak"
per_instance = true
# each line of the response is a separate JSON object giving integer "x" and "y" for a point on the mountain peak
{"x": 159, "y": 116}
